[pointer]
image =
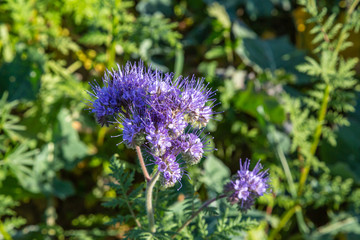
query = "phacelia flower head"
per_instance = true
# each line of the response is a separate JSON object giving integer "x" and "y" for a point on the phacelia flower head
{"x": 157, "y": 112}
{"x": 247, "y": 185}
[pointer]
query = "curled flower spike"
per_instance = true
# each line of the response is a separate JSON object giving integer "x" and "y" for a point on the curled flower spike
{"x": 158, "y": 113}
{"x": 247, "y": 185}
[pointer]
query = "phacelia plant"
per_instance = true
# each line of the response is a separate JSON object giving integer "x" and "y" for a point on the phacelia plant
{"x": 165, "y": 117}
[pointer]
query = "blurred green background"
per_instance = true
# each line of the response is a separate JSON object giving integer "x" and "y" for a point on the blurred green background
{"x": 54, "y": 158}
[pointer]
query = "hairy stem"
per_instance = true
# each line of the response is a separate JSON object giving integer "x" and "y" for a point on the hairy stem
{"x": 207, "y": 203}
{"x": 149, "y": 204}
{"x": 142, "y": 164}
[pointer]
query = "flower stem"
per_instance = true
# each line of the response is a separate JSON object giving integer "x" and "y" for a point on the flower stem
{"x": 197, "y": 213}
{"x": 149, "y": 206}
{"x": 142, "y": 164}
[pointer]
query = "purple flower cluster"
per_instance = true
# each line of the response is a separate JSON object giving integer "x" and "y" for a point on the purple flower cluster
{"x": 247, "y": 185}
{"x": 158, "y": 112}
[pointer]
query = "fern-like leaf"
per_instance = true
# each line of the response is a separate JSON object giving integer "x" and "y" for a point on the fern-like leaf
{"x": 126, "y": 196}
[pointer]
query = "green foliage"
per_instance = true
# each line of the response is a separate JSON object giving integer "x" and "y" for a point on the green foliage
{"x": 334, "y": 76}
{"x": 315, "y": 94}
{"x": 215, "y": 174}
{"x": 269, "y": 54}
{"x": 338, "y": 77}
{"x": 11, "y": 221}
{"x": 126, "y": 197}
{"x": 171, "y": 214}
{"x": 322, "y": 193}
{"x": 303, "y": 126}
{"x": 9, "y": 122}
{"x": 228, "y": 227}
{"x": 287, "y": 76}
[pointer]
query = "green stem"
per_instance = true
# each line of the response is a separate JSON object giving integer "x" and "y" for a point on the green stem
{"x": 285, "y": 218}
{"x": 287, "y": 171}
{"x": 353, "y": 6}
{"x": 299, "y": 216}
{"x": 207, "y": 203}
{"x": 130, "y": 208}
{"x": 3, "y": 231}
{"x": 149, "y": 206}
{"x": 317, "y": 135}
{"x": 321, "y": 118}
{"x": 280, "y": 154}
{"x": 228, "y": 46}
{"x": 179, "y": 61}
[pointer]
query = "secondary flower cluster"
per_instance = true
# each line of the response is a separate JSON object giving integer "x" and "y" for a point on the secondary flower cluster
{"x": 247, "y": 185}
{"x": 158, "y": 112}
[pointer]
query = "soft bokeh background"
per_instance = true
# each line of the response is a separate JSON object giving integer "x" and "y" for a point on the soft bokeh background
{"x": 54, "y": 158}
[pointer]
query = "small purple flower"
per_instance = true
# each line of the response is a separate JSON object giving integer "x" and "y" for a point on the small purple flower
{"x": 167, "y": 175}
{"x": 247, "y": 185}
{"x": 192, "y": 148}
{"x": 162, "y": 166}
{"x": 159, "y": 140}
{"x": 133, "y": 132}
{"x": 170, "y": 178}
